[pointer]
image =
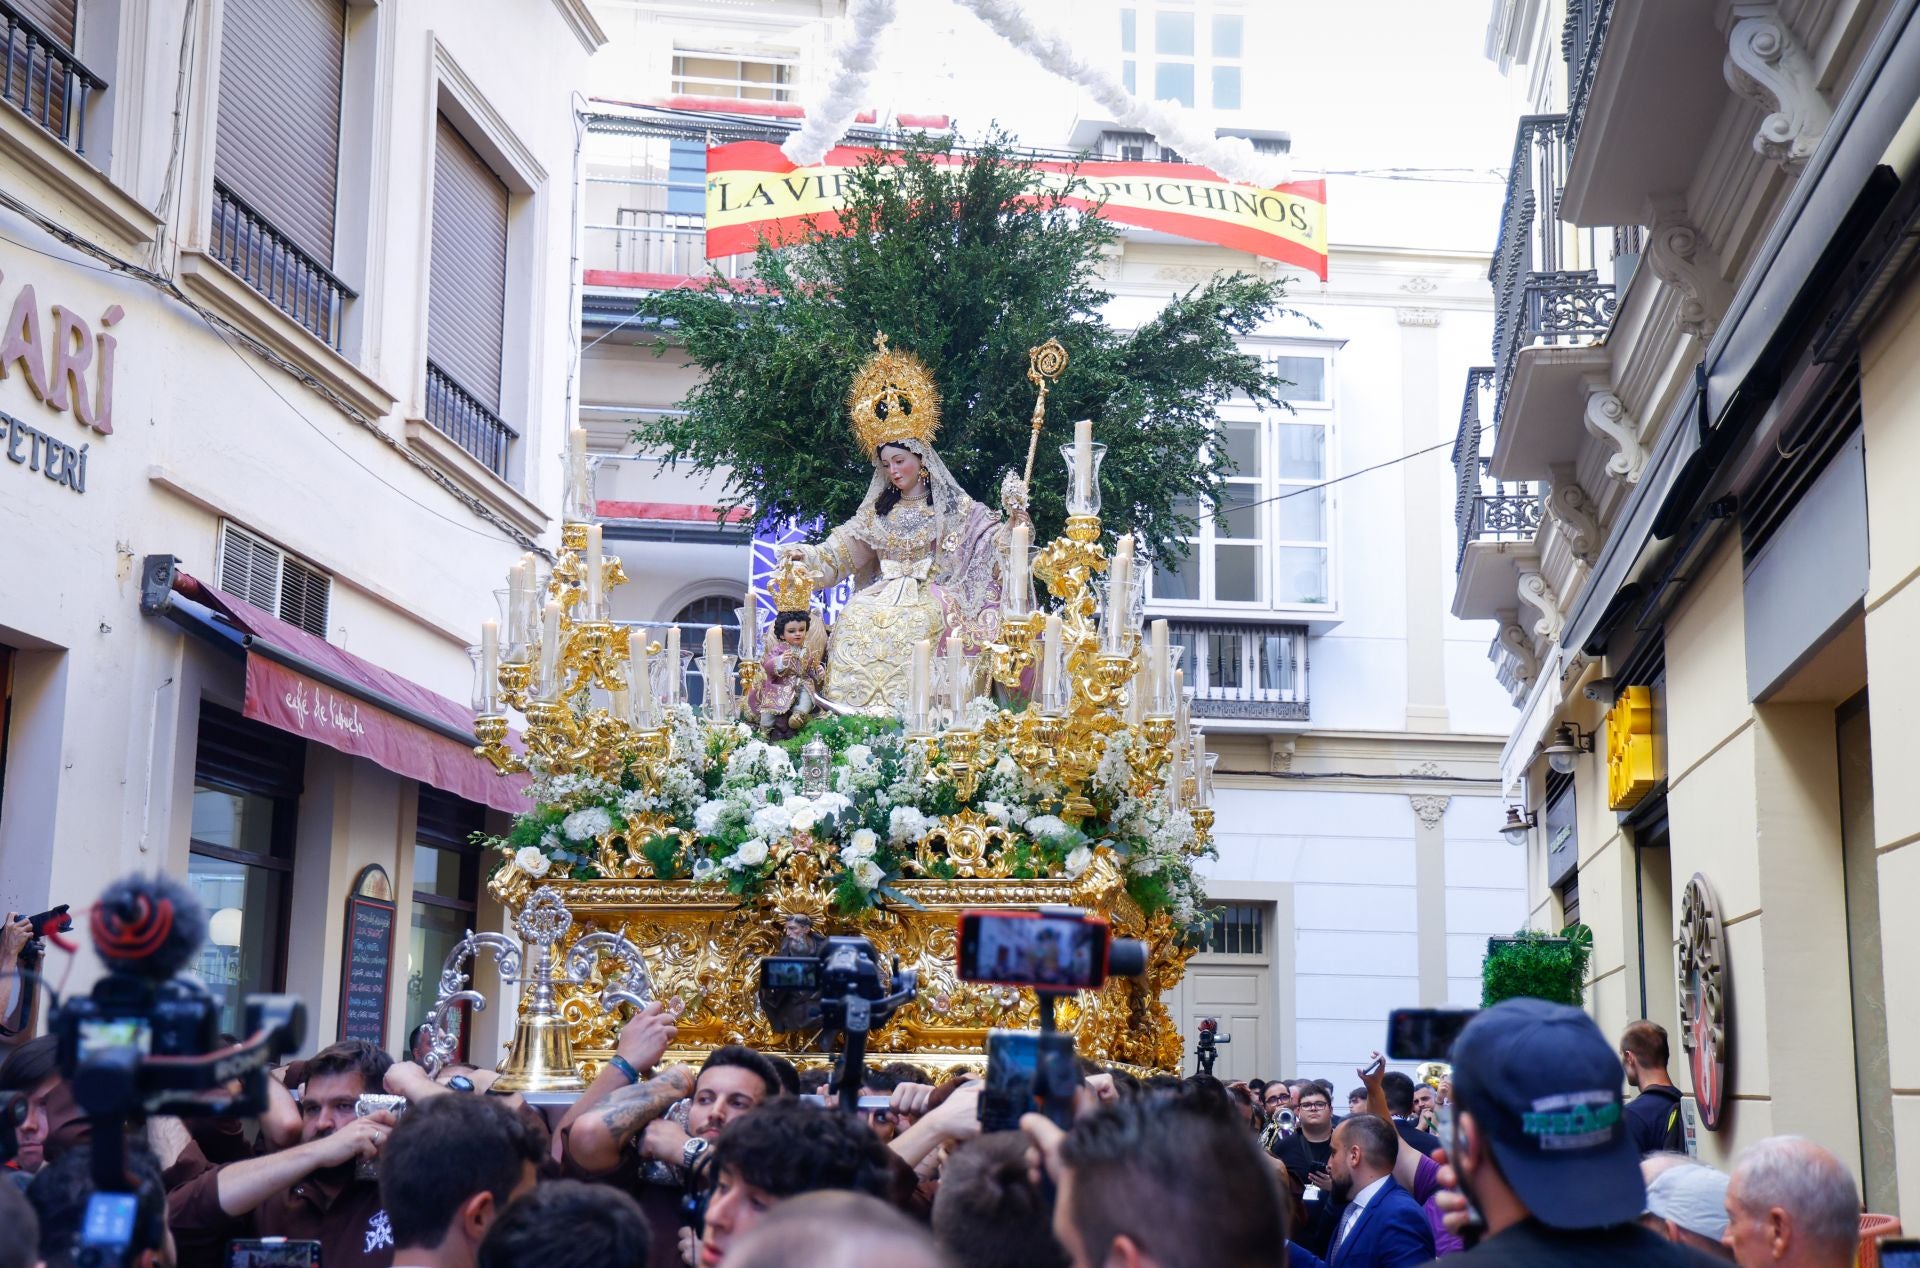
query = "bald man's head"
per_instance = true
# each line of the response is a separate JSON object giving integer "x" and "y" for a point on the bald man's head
{"x": 836, "y": 1229}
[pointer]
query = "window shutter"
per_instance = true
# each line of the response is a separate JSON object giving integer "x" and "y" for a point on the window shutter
{"x": 303, "y": 597}
{"x": 247, "y": 757}
{"x": 259, "y": 572}
{"x": 249, "y": 568}
{"x": 467, "y": 284}
{"x": 277, "y": 144}
{"x": 58, "y": 18}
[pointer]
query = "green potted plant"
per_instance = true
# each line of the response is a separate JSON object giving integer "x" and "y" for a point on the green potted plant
{"x": 1538, "y": 964}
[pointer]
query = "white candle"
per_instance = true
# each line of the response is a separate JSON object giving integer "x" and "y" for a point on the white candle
{"x": 1157, "y": 662}
{"x": 489, "y": 657}
{"x": 550, "y": 650}
{"x": 750, "y": 628}
{"x": 593, "y": 572}
{"x": 956, "y": 673}
{"x": 716, "y": 674}
{"x": 672, "y": 693}
{"x": 1020, "y": 543}
{"x": 577, "y": 466}
{"x": 1137, "y": 697}
{"x": 917, "y": 681}
{"x": 1050, "y": 667}
{"x": 1120, "y": 590}
{"x": 1083, "y": 461}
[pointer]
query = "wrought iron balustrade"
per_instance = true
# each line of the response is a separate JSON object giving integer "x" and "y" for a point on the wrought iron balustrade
{"x": 642, "y": 225}
{"x": 44, "y": 80}
{"x": 1485, "y": 509}
{"x": 267, "y": 260}
{"x": 1581, "y": 40}
{"x": 460, "y": 415}
{"x": 1245, "y": 671}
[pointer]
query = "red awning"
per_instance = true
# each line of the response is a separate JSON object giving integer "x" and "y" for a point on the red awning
{"x": 353, "y": 705}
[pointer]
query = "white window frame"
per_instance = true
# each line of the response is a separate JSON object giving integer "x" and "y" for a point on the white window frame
{"x": 1322, "y": 413}
{"x": 1215, "y": 61}
{"x": 687, "y": 85}
{"x": 1147, "y": 32}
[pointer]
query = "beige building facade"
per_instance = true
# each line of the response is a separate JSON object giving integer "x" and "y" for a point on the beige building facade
{"x": 289, "y": 303}
{"x": 1686, "y": 503}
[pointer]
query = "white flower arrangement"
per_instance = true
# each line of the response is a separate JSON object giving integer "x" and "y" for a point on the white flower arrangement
{"x": 1078, "y": 860}
{"x": 772, "y": 821}
{"x": 586, "y": 824}
{"x": 1047, "y": 828}
{"x": 858, "y": 755}
{"x": 867, "y": 874}
{"x": 862, "y": 844}
{"x": 751, "y": 853}
{"x": 530, "y": 860}
{"x": 906, "y": 824}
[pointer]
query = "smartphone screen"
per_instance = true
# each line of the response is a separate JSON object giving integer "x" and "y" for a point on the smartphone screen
{"x": 1031, "y": 949}
{"x": 1425, "y": 1034}
{"x": 1027, "y": 1073}
{"x": 1899, "y": 1252}
{"x": 272, "y": 1252}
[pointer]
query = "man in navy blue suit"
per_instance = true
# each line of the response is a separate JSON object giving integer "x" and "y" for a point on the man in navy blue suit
{"x": 1382, "y": 1226}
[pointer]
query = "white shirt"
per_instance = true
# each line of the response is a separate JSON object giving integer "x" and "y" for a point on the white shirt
{"x": 1356, "y": 1204}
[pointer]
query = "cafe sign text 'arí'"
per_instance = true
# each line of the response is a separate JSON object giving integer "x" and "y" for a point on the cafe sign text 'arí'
{"x": 66, "y": 366}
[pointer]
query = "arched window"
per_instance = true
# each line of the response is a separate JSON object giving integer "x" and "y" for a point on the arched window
{"x": 693, "y": 620}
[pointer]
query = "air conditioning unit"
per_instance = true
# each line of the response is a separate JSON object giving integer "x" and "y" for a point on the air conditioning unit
{"x": 254, "y": 569}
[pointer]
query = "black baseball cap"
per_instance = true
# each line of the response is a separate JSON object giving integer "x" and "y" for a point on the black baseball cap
{"x": 1544, "y": 1085}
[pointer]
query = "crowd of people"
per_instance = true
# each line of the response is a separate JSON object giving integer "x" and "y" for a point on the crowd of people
{"x": 741, "y": 1164}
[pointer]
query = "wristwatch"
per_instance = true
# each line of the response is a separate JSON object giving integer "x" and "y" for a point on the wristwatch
{"x": 691, "y": 1151}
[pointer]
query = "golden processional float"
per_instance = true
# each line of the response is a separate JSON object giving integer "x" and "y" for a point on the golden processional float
{"x": 1046, "y": 757}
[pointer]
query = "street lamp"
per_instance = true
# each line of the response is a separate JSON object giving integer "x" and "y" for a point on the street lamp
{"x": 1568, "y": 744}
{"x": 1519, "y": 823}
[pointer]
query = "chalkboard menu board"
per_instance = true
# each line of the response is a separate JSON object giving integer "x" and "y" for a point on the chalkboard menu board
{"x": 369, "y": 962}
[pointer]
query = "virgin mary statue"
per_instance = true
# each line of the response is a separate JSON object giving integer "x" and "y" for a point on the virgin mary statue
{"x": 926, "y": 559}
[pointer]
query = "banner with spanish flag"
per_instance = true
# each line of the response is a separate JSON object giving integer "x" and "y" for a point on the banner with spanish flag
{"x": 753, "y": 191}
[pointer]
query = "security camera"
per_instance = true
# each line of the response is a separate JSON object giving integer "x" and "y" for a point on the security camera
{"x": 1600, "y": 690}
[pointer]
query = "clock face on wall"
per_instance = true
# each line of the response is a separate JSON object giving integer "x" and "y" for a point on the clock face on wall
{"x": 1703, "y": 997}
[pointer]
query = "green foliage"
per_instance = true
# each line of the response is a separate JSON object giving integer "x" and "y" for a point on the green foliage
{"x": 1539, "y": 965}
{"x": 967, "y": 265}
{"x": 664, "y": 853}
{"x": 839, "y": 733}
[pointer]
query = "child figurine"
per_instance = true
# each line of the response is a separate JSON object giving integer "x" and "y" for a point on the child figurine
{"x": 793, "y": 673}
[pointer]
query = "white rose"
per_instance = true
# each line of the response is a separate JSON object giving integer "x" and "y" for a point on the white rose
{"x": 867, "y": 874}
{"x": 997, "y": 811}
{"x": 858, "y": 754}
{"x": 832, "y": 803}
{"x": 863, "y": 843}
{"x": 529, "y": 860}
{"x": 1078, "y": 859}
{"x": 803, "y": 819}
{"x": 752, "y": 853}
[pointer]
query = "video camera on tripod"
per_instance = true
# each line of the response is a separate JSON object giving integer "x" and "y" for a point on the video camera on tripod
{"x": 1055, "y": 951}
{"x": 853, "y": 1000}
{"x": 1207, "y": 1051}
{"x": 147, "y": 1039}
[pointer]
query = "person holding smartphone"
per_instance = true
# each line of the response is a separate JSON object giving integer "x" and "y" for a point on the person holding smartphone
{"x": 1306, "y": 1154}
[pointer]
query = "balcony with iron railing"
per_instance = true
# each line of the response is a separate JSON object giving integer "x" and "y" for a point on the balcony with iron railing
{"x": 1486, "y": 509}
{"x": 41, "y": 78}
{"x": 639, "y": 229}
{"x": 1547, "y": 287}
{"x": 1252, "y": 672}
{"x": 263, "y": 257}
{"x": 1581, "y": 39}
{"x": 461, "y": 416}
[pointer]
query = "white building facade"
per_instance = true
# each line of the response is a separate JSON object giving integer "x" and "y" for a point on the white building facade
{"x": 291, "y": 309}
{"x": 1361, "y": 866}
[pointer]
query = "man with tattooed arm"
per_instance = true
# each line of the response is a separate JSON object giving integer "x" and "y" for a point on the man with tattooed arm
{"x": 633, "y": 1116}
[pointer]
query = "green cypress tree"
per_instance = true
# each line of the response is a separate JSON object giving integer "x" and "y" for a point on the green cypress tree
{"x": 966, "y": 264}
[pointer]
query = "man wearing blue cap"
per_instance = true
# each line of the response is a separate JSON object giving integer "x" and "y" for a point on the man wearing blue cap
{"x": 1541, "y": 1145}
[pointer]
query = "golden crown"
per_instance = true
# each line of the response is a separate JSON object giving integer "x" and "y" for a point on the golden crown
{"x": 790, "y": 586}
{"x": 893, "y": 398}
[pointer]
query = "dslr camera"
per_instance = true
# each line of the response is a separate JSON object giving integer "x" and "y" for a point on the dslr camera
{"x": 851, "y": 997}
{"x": 147, "y": 1039}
